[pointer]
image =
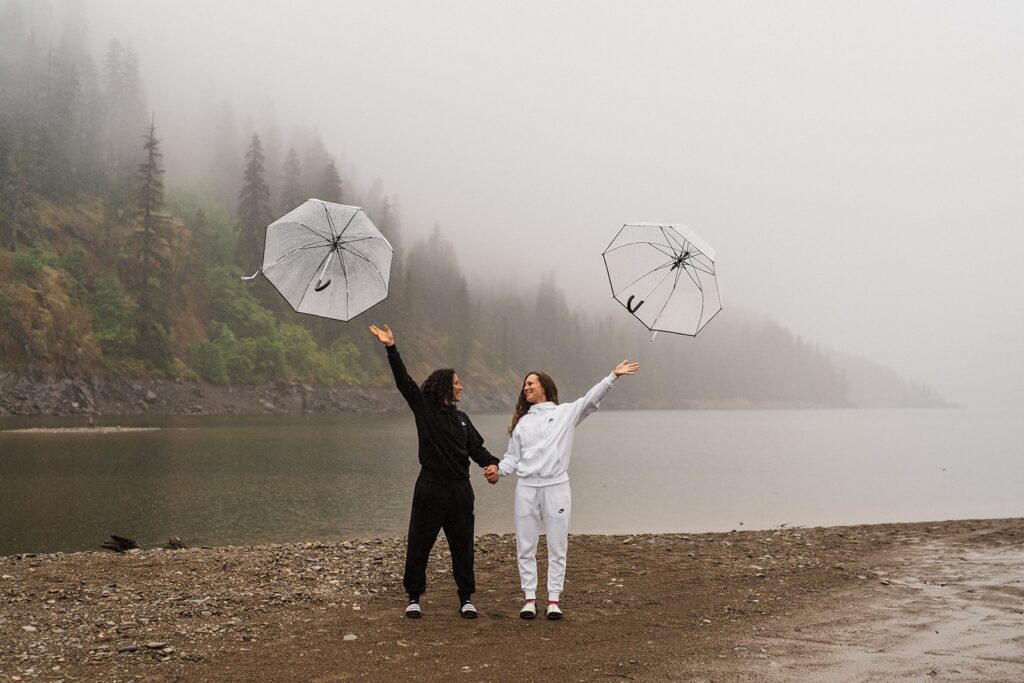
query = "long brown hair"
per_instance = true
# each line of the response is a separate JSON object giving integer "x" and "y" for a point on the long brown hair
{"x": 523, "y": 406}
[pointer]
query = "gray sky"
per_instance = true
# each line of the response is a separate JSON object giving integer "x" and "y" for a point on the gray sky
{"x": 858, "y": 165}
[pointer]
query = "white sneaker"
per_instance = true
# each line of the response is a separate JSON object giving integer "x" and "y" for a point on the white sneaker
{"x": 529, "y": 610}
{"x": 412, "y": 610}
{"x": 468, "y": 611}
{"x": 554, "y": 612}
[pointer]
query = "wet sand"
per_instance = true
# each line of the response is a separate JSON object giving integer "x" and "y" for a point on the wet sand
{"x": 928, "y": 601}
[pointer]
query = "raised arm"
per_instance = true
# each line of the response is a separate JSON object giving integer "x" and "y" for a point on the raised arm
{"x": 591, "y": 401}
{"x": 409, "y": 389}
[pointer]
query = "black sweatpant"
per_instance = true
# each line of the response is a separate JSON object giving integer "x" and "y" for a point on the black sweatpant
{"x": 436, "y": 505}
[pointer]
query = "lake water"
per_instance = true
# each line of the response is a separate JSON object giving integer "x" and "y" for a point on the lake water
{"x": 245, "y": 481}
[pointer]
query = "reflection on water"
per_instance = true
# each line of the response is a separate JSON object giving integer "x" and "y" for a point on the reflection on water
{"x": 242, "y": 481}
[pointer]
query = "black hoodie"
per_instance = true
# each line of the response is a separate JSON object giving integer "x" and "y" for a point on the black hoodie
{"x": 447, "y": 438}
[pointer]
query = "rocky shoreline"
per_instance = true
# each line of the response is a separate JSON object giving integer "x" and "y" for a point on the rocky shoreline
{"x": 753, "y": 605}
{"x": 24, "y": 395}
{"x": 30, "y": 395}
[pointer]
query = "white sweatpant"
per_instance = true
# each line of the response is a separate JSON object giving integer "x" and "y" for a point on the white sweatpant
{"x": 550, "y": 506}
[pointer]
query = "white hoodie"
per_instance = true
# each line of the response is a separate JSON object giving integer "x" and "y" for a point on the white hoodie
{"x": 541, "y": 443}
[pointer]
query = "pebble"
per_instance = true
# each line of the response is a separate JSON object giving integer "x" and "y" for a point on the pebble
{"x": 262, "y": 589}
{"x": 29, "y": 629}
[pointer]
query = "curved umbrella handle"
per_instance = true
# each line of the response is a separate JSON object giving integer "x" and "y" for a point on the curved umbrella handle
{"x": 321, "y": 286}
{"x": 629, "y": 304}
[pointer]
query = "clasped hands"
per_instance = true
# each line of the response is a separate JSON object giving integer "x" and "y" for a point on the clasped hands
{"x": 491, "y": 474}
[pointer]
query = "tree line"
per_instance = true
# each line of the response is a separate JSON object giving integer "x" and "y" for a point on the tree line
{"x": 104, "y": 269}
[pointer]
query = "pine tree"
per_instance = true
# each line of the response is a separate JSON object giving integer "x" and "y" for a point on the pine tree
{"x": 61, "y": 101}
{"x": 330, "y": 189}
{"x": 125, "y": 111}
{"x": 291, "y": 182}
{"x": 153, "y": 257}
{"x": 88, "y": 133}
{"x": 253, "y": 209}
{"x": 389, "y": 223}
{"x": 8, "y": 186}
{"x": 314, "y": 160}
{"x": 373, "y": 199}
{"x": 225, "y": 150}
{"x": 17, "y": 191}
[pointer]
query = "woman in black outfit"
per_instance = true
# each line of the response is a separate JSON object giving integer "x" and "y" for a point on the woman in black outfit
{"x": 443, "y": 498}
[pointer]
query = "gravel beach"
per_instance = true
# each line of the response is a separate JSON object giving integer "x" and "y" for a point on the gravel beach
{"x": 923, "y": 601}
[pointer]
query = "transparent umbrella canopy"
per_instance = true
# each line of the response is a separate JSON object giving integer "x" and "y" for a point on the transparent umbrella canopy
{"x": 327, "y": 260}
{"x": 664, "y": 274}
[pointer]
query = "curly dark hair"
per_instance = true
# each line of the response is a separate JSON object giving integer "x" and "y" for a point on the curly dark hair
{"x": 437, "y": 389}
{"x": 523, "y": 406}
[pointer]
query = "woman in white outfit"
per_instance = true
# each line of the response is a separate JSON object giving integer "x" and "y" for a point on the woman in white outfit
{"x": 539, "y": 449}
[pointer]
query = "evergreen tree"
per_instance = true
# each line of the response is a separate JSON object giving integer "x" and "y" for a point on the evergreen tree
{"x": 125, "y": 111}
{"x": 13, "y": 28}
{"x": 437, "y": 295}
{"x": 88, "y": 133}
{"x": 9, "y": 181}
{"x": 291, "y": 183}
{"x": 314, "y": 160}
{"x": 253, "y": 209}
{"x": 330, "y": 188}
{"x": 60, "y": 111}
{"x": 373, "y": 199}
{"x": 153, "y": 257}
{"x": 226, "y": 153}
{"x": 389, "y": 223}
{"x": 273, "y": 155}
{"x": 17, "y": 198}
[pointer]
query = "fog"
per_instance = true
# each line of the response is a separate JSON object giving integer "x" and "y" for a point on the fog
{"x": 858, "y": 166}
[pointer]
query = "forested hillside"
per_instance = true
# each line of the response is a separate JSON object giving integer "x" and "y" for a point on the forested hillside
{"x": 108, "y": 270}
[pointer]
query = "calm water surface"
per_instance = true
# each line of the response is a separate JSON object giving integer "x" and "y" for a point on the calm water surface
{"x": 243, "y": 481}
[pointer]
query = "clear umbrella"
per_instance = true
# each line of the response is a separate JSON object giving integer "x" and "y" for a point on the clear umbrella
{"x": 327, "y": 260}
{"x": 665, "y": 276}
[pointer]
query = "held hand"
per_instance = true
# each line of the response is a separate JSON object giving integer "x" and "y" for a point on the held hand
{"x": 491, "y": 474}
{"x": 625, "y": 368}
{"x": 385, "y": 336}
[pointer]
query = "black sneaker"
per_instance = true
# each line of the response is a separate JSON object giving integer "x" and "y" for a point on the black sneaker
{"x": 412, "y": 610}
{"x": 468, "y": 611}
